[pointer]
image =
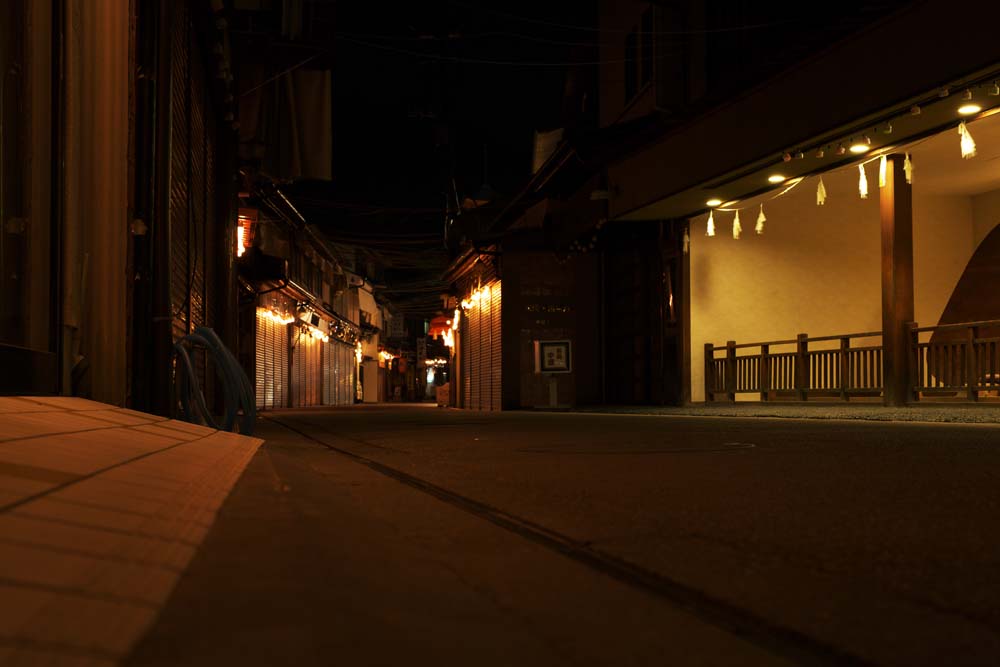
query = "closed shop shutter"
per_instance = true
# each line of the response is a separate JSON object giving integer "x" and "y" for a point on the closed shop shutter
{"x": 193, "y": 241}
{"x": 180, "y": 223}
{"x": 307, "y": 370}
{"x": 481, "y": 352}
{"x": 338, "y": 374}
{"x": 496, "y": 349}
{"x": 271, "y": 363}
{"x": 465, "y": 354}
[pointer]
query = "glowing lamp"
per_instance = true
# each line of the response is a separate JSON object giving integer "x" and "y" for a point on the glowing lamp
{"x": 969, "y": 109}
{"x": 775, "y": 178}
{"x": 859, "y": 147}
{"x": 713, "y": 202}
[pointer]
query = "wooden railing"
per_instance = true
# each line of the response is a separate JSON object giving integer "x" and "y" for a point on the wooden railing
{"x": 960, "y": 366}
{"x": 839, "y": 367}
{"x": 822, "y": 366}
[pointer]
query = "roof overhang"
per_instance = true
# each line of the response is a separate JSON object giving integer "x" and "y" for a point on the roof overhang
{"x": 847, "y": 93}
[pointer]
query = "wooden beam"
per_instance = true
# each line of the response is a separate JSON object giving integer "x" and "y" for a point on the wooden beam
{"x": 896, "y": 204}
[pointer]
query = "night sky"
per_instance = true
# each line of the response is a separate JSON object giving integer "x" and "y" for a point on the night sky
{"x": 426, "y": 93}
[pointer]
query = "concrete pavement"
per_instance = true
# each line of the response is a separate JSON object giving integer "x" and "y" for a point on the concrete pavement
{"x": 378, "y": 534}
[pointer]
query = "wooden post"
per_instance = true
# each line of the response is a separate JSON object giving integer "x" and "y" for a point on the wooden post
{"x": 913, "y": 340}
{"x": 765, "y": 372}
{"x": 709, "y": 372}
{"x": 802, "y": 366}
{"x": 896, "y": 207}
{"x": 845, "y": 367}
{"x": 971, "y": 367}
{"x": 731, "y": 370}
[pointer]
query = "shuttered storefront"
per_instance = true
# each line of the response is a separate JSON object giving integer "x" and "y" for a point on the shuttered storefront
{"x": 193, "y": 246}
{"x": 271, "y": 362}
{"x": 481, "y": 351}
{"x": 307, "y": 368}
{"x": 338, "y": 373}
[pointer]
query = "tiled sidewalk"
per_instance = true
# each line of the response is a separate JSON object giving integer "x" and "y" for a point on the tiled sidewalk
{"x": 101, "y": 509}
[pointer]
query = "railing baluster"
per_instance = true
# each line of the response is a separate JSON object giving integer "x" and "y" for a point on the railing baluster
{"x": 971, "y": 365}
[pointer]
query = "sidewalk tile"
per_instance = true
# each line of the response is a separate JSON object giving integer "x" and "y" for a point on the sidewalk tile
{"x": 33, "y": 424}
{"x": 68, "y": 402}
{"x": 14, "y": 404}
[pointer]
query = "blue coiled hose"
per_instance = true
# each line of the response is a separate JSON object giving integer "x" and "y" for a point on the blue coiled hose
{"x": 241, "y": 409}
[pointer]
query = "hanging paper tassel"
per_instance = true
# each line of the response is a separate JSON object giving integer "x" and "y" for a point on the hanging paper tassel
{"x": 761, "y": 218}
{"x": 710, "y": 231}
{"x": 908, "y": 169}
{"x": 687, "y": 242}
{"x": 820, "y": 193}
{"x": 737, "y": 227}
{"x": 881, "y": 171}
{"x": 968, "y": 145}
{"x": 862, "y": 182}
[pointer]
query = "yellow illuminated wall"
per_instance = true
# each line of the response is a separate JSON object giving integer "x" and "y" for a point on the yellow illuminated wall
{"x": 816, "y": 270}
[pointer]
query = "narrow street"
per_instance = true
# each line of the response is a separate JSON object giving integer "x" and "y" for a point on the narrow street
{"x": 375, "y": 535}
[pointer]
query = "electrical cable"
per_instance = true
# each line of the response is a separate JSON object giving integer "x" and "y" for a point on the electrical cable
{"x": 241, "y": 408}
{"x": 584, "y": 28}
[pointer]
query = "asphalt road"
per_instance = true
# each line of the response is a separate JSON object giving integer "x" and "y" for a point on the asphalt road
{"x": 378, "y": 535}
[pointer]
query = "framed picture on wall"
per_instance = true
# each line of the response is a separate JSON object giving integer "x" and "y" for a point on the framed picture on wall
{"x": 553, "y": 356}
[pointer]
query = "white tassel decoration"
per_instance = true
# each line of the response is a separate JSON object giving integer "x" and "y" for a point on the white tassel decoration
{"x": 908, "y": 169}
{"x": 820, "y": 193}
{"x": 710, "y": 231}
{"x": 968, "y": 145}
{"x": 687, "y": 242}
{"x": 862, "y": 182}
{"x": 737, "y": 227}
{"x": 881, "y": 171}
{"x": 761, "y": 218}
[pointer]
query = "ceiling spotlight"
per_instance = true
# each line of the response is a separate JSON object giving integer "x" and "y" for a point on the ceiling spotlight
{"x": 915, "y": 110}
{"x": 775, "y": 178}
{"x": 944, "y": 92}
{"x": 887, "y": 129}
{"x": 969, "y": 109}
{"x": 713, "y": 202}
{"x": 840, "y": 149}
{"x": 967, "y": 95}
{"x": 820, "y": 152}
{"x": 800, "y": 155}
{"x": 786, "y": 157}
{"x": 994, "y": 90}
{"x": 861, "y": 146}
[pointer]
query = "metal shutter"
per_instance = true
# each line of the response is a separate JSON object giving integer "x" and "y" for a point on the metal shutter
{"x": 307, "y": 370}
{"x": 180, "y": 223}
{"x": 271, "y": 379}
{"x": 496, "y": 349}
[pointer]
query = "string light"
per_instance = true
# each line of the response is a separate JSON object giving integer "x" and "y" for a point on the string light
{"x": 968, "y": 145}
{"x": 275, "y": 316}
{"x": 862, "y": 182}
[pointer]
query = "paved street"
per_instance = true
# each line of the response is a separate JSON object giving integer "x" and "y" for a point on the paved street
{"x": 375, "y": 535}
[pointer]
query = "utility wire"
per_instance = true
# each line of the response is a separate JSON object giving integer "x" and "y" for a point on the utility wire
{"x": 584, "y": 28}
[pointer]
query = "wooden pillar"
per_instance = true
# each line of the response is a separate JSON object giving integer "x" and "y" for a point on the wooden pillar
{"x": 896, "y": 203}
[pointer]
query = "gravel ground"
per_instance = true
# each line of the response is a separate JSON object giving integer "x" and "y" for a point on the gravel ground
{"x": 960, "y": 414}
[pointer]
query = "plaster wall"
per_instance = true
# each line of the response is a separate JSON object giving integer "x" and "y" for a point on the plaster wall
{"x": 816, "y": 269}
